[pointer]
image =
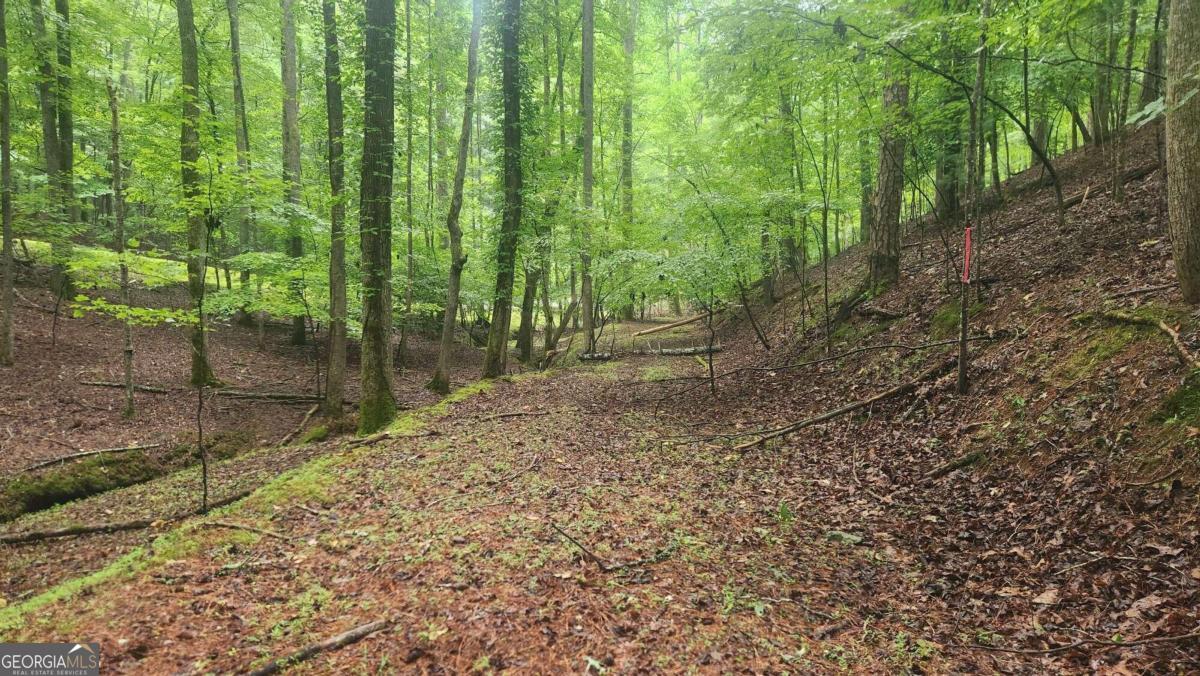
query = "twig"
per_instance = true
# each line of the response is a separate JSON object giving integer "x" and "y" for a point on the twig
{"x": 1176, "y": 341}
{"x": 84, "y": 454}
{"x": 333, "y": 643}
{"x": 1140, "y": 290}
{"x": 658, "y": 557}
{"x": 514, "y": 414}
{"x": 1105, "y": 643}
{"x": 1151, "y": 482}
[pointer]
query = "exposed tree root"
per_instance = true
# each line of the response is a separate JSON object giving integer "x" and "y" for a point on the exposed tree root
{"x": 332, "y": 643}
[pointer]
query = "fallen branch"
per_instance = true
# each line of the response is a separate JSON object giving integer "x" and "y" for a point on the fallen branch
{"x": 960, "y": 462}
{"x": 333, "y": 643}
{"x": 1131, "y": 175}
{"x": 290, "y": 397}
{"x": 897, "y": 391}
{"x": 139, "y": 388}
{"x": 513, "y": 414}
{"x": 137, "y": 524}
{"x": 239, "y": 526}
{"x": 658, "y": 557}
{"x": 879, "y": 313}
{"x": 1176, "y": 341}
{"x": 596, "y": 356}
{"x": 672, "y": 325}
{"x": 300, "y": 428}
{"x": 85, "y": 454}
{"x": 1104, "y": 643}
{"x": 1140, "y": 290}
{"x": 383, "y": 436}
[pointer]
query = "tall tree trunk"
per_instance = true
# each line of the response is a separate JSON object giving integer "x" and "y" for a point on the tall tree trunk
{"x": 441, "y": 377}
{"x": 1118, "y": 164}
{"x": 291, "y": 149}
{"x": 409, "y": 225}
{"x": 6, "y": 252}
{"x": 528, "y": 299}
{"x": 496, "y": 356}
{"x": 66, "y": 117}
{"x": 627, "y": 117}
{"x": 335, "y": 384}
{"x": 1152, "y": 83}
{"x": 1183, "y": 144}
{"x": 884, "y": 256}
{"x": 586, "y": 87}
{"x": 189, "y": 174}
{"x": 377, "y": 405}
{"x": 47, "y": 85}
{"x": 119, "y": 242}
{"x": 241, "y": 131}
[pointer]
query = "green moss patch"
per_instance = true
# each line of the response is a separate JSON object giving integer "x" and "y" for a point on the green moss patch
{"x": 944, "y": 322}
{"x": 79, "y": 480}
{"x": 1182, "y": 406}
{"x": 1099, "y": 349}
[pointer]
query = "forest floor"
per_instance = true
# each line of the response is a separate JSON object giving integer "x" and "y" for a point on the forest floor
{"x": 604, "y": 517}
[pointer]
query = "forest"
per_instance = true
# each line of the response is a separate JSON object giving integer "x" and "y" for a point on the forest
{"x": 609, "y": 336}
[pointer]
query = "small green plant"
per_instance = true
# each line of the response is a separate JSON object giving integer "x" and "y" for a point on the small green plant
{"x": 784, "y": 515}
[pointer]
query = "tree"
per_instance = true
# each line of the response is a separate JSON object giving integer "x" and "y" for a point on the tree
{"x": 441, "y": 377}
{"x": 377, "y": 405}
{"x": 291, "y": 148}
{"x": 335, "y": 383}
{"x": 586, "y": 85}
{"x": 241, "y": 127}
{"x": 884, "y": 237}
{"x": 118, "y": 191}
{"x": 6, "y": 252}
{"x": 189, "y": 174}
{"x": 496, "y": 357}
{"x": 65, "y": 109}
{"x": 1183, "y": 143}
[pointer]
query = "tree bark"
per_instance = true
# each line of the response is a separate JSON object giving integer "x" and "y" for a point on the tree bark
{"x": 66, "y": 116}
{"x": 1152, "y": 83}
{"x": 586, "y": 87}
{"x": 47, "y": 100}
{"x": 441, "y": 376}
{"x": 884, "y": 256}
{"x": 241, "y": 130}
{"x": 335, "y": 378}
{"x": 628, "y": 43}
{"x": 189, "y": 173}
{"x": 291, "y": 149}
{"x": 496, "y": 356}
{"x": 1183, "y": 144}
{"x": 119, "y": 241}
{"x": 378, "y": 404}
{"x": 6, "y": 250}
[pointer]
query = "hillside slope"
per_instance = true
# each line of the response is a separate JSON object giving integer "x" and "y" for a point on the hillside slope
{"x": 603, "y": 517}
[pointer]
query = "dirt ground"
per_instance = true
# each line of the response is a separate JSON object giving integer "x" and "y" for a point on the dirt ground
{"x": 608, "y": 518}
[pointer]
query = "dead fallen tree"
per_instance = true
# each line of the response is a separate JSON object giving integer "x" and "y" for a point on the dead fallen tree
{"x": 935, "y": 371}
{"x": 139, "y": 388}
{"x": 86, "y": 454}
{"x": 679, "y": 351}
{"x": 597, "y": 356}
{"x": 136, "y": 524}
{"x": 1131, "y": 175}
{"x": 672, "y": 325}
{"x": 290, "y": 397}
{"x": 332, "y": 643}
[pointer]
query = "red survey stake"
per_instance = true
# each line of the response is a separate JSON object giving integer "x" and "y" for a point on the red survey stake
{"x": 966, "y": 278}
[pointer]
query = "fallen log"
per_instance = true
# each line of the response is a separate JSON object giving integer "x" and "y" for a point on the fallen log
{"x": 299, "y": 428}
{"x": 879, "y": 313}
{"x": 332, "y": 643}
{"x": 897, "y": 391}
{"x": 136, "y": 524}
{"x": 596, "y": 356}
{"x": 672, "y": 325}
{"x": 85, "y": 454}
{"x": 1131, "y": 175}
{"x": 139, "y": 388}
{"x": 679, "y": 351}
{"x": 290, "y": 397}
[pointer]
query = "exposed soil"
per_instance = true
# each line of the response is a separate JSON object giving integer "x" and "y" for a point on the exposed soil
{"x": 602, "y": 517}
